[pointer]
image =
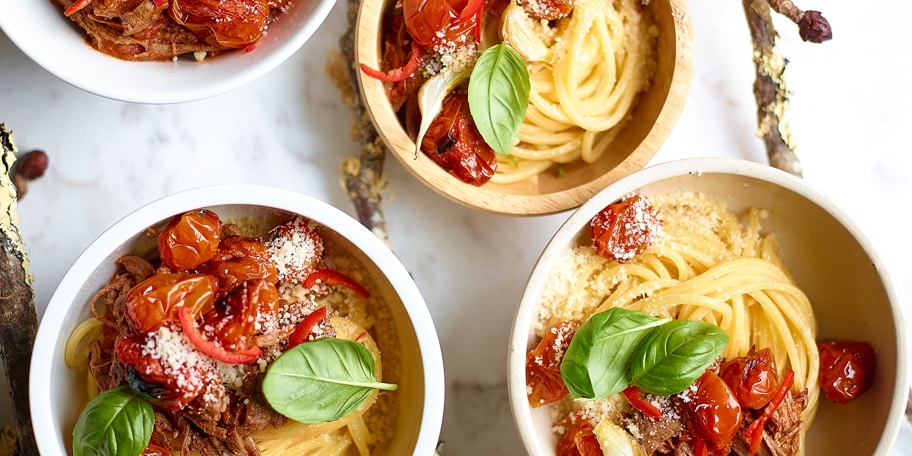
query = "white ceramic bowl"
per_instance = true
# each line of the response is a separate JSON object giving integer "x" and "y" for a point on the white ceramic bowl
{"x": 57, "y": 391}
{"x": 830, "y": 259}
{"x": 56, "y": 43}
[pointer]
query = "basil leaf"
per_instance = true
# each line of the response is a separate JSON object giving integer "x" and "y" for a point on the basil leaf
{"x": 671, "y": 357}
{"x": 499, "y": 95}
{"x": 322, "y": 380}
{"x": 117, "y": 422}
{"x": 595, "y": 363}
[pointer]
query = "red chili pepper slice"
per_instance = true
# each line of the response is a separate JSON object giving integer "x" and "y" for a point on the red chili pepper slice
{"x": 474, "y": 8}
{"x": 700, "y": 448}
{"x": 332, "y": 277}
{"x": 211, "y": 348}
{"x": 76, "y": 6}
{"x": 633, "y": 396}
{"x": 754, "y": 432}
{"x": 398, "y": 74}
{"x": 306, "y": 326}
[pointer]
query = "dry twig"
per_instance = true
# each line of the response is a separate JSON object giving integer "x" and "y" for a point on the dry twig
{"x": 363, "y": 177}
{"x": 812, "y": 26}
{"x": 18, "y": 319}
{"x": 770, "y": 89}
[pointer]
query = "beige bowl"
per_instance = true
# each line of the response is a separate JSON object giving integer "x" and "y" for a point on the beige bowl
{"x": 832, "y": 262}
{"x": 655, "y": 114}
{"x": 57, "y": 392}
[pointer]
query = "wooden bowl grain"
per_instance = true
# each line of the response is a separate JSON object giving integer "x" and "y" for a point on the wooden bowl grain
{"x": 652, "y": 120}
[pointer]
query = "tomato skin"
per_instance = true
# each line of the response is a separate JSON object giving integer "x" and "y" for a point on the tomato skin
{"x": 151, "y": 303}
{"x": 223, "y": 23}
{"x": 625, "y": 228}
{"x": 846, "y": 369}
{"x": 543, "y": 375}
{"x": 237, "y": 260}
{"x": 234, "y": 318}
{"x": 190, "y": 239}
{"x": 752, "y": 379}
{"x": 715, "y": 412}
{"x": 435, "y": 23}
{"x": 453, "y": 142}
{"x": 578, "y": 438}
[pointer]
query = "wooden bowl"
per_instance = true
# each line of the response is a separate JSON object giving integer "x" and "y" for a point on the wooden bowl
{"x": 654, "y": 115}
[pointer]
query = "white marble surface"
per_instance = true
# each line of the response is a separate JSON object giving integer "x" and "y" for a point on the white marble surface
{"x": 851, "y": 119}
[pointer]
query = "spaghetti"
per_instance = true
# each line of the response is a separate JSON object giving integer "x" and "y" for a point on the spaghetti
{"x": 704, "y": 266}
{"x": 357, "y": 315}
{"x": 585, "y": 76}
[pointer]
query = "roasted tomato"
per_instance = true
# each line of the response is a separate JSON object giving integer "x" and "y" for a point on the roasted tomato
{"x": 223, "y": 23}
{"x": 846, "y": 369}
{"x": 239, "y": 259}
{"x": 714, "y": 411}
{"x": 396, "y": 54}
{"x": 752, "y": 379}
{"x": 190, "y": 239}
{"x": 170, "y": 385}
{"x": 625, "y": 228}
{"x": 543, "y": 377}
{"x": 151, "y": 302}
{"x": 296, "y": 248}
{"x": 453, "y": 142}
{"x": 436, "y": 24}
{"x": 578, "y": 438}
{"x": 240, "y": 313}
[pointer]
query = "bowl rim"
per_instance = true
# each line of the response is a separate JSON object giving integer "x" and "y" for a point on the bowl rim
{"x": 485, "y": 197}
{"x": 236, "y": 194}
{"x": 527, "y": 308}
{"x": 167, "y": 86}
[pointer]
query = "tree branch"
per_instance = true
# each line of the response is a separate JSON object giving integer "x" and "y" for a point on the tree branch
{"x": 812, "y": 26}
{"x": 770, "y": 90}
{"x": 363, "y": 177}
{"x": 18, "y": 319}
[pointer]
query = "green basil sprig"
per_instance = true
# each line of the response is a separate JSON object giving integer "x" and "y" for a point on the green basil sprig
{"x": 321, "y": 380}
{"x": 595, "y": 363}
{"x": 499, "y": 95}
{"x": 671, "y": 357}
{"x": 619, "y": 347}
{"x": 117, "y": 422}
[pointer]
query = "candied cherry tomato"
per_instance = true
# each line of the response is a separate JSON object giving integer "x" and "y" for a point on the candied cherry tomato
{"x": 846, "y": 369}
{"x": 543, "y": 375}
{"x": 151, "y": 302}
{"x": 753, "y": 379}
{"x": 715, "y": 412}
{"x": 436, "y": 23}
{"x": 190, "y": 239}
{"x": 223, "y": 23}
{"x": 237, "y": 316}
{"x": 171, "y": 388}
{"x": 454, "y": 143}
{"x": 296, "y": 248}
{"x": 625, "y": 228}
{"x": 239, "y": 259}
{"x": 578, "y": 438}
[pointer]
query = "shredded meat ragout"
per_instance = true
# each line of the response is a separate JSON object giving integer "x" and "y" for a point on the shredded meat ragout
{"x": 143, "y": 30}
